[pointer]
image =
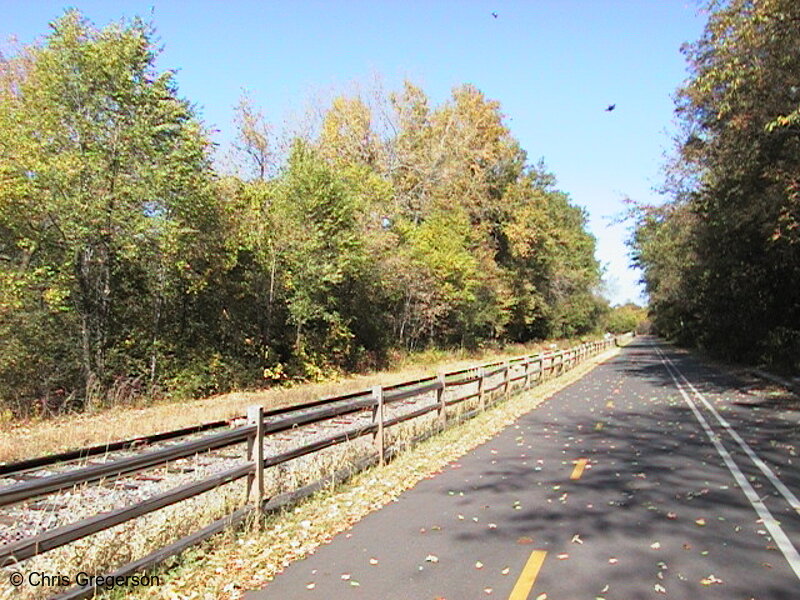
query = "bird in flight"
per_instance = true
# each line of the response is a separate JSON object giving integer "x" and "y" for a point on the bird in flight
{"x": 494, "y": 14}
{"x": 611, "y": 107}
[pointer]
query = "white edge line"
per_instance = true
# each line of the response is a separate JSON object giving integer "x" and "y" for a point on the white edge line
{"x": 778, "y": 535}
{"x": 768, "y": 472}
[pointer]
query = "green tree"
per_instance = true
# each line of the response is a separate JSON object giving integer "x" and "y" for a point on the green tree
{"x": 722, "y": 282}
{"x": 625, "y": 318}
{"x": 105, "y": 171}
{"x": 324, "y": 255}
{"x": 254, "y": 138}
{"x": 550, "y": 258}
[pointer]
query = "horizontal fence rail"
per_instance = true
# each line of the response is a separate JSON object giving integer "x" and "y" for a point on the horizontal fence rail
{"x": 528, "y": 369}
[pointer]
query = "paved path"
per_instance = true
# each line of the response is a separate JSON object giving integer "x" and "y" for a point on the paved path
{"x": 613, "y": 489}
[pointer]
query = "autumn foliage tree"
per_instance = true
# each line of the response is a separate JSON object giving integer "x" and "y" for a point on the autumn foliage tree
{"x": 129, "y": 266}
{"x": 722, "y": 259}
{"x": 105, "y": 176}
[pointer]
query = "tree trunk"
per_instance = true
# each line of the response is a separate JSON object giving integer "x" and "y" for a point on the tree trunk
{"x": 271, "y": 298}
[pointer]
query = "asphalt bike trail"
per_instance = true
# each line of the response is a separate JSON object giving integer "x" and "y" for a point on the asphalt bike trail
{"x": 653, "y": 476}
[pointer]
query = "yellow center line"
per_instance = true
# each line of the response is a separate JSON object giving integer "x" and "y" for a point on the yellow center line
{"x": 527, "y": 578}
{"x": 580, "y": 465}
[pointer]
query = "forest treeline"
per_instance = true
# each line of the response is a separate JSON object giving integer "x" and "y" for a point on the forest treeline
{"x": 721, "y": 259}
{"x": 130, "y": 265}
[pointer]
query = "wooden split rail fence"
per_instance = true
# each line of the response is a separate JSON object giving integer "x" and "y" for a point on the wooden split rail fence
{"x": 490, "y": 378}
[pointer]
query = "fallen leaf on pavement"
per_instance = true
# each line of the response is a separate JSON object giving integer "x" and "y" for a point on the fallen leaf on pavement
{"x": 524, "y": 540}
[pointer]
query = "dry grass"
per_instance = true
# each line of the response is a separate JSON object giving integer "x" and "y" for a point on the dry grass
{"x": 26, "y": 439}
{"x": 232, "y": 563}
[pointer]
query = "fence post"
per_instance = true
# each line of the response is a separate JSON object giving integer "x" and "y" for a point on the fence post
{"x": 377, "y": 415}
{"x": 481, "y": 386}
{"x": 527, "y": 372}
{"x": 255, "y": 453}
{"x": 440, "y": 400}
{"x": 507, "y": 379}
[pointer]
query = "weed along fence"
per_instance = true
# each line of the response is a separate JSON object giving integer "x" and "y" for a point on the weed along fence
{"x": 385, "y": 419}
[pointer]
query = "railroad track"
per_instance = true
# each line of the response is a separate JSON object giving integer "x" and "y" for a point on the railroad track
{"x": 46, "y": 465}
{"x": 43, "y": 493}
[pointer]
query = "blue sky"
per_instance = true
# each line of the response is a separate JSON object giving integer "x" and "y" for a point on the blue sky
{"x": 554, "y": 65}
